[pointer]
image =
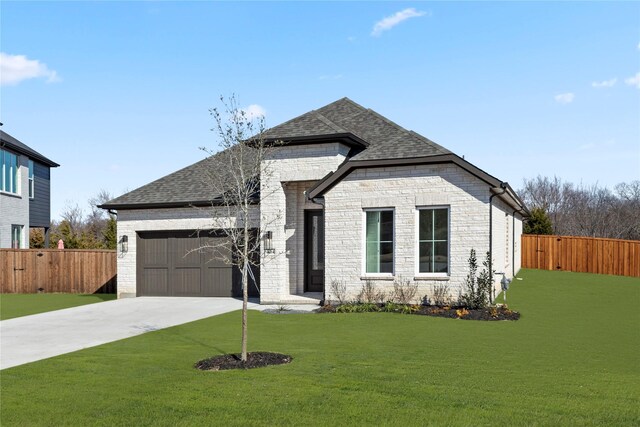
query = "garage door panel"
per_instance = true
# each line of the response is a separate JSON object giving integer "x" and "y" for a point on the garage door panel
{"x": 217, "y": 282}
{"x": 154, "y": 252}
{"x": 186, "y": 282}
{"x": 216, "y": 251}
{"x": 185, "y": 251}
{"x": 155, "y": 282}
{"x": 177, "y": 263}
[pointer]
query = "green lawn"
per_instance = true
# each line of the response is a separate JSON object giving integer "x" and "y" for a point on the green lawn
{"x": 572, "y": 359}
{"x": 17, "y": 305}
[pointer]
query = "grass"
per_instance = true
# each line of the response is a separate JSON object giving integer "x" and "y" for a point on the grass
{"x": 17, "y": 305}
{"x": 572, "y": 359}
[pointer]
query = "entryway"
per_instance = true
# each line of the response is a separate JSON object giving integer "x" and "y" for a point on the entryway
{"x": 314, "y": 250}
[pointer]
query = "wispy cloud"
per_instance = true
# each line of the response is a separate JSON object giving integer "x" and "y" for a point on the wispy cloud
{"x": 634, "y": 81}
{"x": 604, "y": 83}
{"x": 564, "y": 98}
{"x": 254, "y": 111}
{"x": 351, "y": 39}
{"x": 16, "y": 68}
{"x": 391, "y": 21}
{"x": 331, "y": 77}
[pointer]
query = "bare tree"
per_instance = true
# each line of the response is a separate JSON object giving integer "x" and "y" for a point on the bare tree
{"x": 234, "y": 175}
{"x": 581, "y": 210}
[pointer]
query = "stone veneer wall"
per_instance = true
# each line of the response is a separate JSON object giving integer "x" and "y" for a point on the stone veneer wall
{"x": 132, "y": 221}
{"x": 403, "y": 189}
{"x": 282, "y": 212}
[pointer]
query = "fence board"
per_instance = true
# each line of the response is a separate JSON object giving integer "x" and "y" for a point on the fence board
{"x": 581, "y": 254}
{"x": 53, "y": 270}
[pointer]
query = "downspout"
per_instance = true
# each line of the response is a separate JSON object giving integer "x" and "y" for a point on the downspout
{"x": 320, "y": 201}
{"x": 503, "y": 186}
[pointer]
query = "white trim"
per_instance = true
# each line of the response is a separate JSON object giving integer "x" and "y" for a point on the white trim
{"x": 363, "y": 266}
{"x": 417, "y": 273}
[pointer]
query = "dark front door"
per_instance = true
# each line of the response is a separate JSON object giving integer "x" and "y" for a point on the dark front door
{"x": 314, "y": 250}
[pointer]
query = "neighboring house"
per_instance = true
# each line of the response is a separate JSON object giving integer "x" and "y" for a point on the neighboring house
{"x": 25, "y": 196}
{"x": 353, "y": 197}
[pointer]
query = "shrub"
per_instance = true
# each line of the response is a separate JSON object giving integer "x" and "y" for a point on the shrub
{"x": 339, "y": 291}
{"x": 370, "y": 294}
{"x": 441, "y": 295}
{"x": 404, "y": 292}
{"x": 477, "y": 288}
{"x": 357, "y": 308}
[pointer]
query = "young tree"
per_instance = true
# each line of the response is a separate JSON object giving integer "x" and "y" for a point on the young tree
{"x": 538, "y": 223}
{"x": 234, "y": 178}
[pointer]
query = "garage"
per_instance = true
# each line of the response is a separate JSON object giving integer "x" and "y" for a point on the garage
{"x": 169, "y": 263}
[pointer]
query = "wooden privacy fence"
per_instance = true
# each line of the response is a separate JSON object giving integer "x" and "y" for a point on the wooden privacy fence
{"x": 52, "y": 270}
{"x": 581, "y": 254}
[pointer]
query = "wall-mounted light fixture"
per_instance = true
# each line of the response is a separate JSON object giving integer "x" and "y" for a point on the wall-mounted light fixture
{"x": 268, "y": 242}
{"x": 124, "y": 244}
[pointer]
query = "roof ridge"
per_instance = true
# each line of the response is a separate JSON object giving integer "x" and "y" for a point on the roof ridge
{"x": 329, "y": 123}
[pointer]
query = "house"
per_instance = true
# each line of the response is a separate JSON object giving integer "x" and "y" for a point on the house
{"x": 25, "y": 192}
{"x": 352, "y": 197}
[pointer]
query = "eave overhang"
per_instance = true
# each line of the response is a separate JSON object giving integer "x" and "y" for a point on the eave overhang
{"x": 508, "y": 195}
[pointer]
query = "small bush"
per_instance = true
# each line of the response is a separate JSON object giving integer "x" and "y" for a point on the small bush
{"x": 477, "y": 288}
{"x": 404, "y": 292}
{"x": 370, "y": 294}
{"x": 339, "y": 291}
{"x": 441, "y": 295}
{"x": 357, "y": 308}
{"x": 462, "y": 312}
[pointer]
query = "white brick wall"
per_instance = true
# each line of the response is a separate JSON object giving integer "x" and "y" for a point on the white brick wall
{"x": 14, "y": 209}
{"x": 132, "y": 221}
{"x": 282, "y": 212}
{"x": 293, "y": 169}
{"x": 404, "y": 188}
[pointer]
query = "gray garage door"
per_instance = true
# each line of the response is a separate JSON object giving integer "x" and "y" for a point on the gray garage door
{"x": 168, "y": 264}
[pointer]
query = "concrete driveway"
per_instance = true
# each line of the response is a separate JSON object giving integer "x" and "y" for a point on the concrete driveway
{"x": 40, "y": 336}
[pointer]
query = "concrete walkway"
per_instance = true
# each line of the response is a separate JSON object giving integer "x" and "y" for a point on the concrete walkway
{"x": 40, "y": 336}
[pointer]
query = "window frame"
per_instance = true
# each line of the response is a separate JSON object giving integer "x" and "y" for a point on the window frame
{"x": 366, "y": 274}
{"x": 31, "y": 174}
{"x": 418, "y": 273}
{"x": 20, "y": 229}
{"x": 14, "y": 173}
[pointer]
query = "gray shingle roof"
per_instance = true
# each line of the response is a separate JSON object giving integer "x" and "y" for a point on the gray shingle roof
{"x": 187, "y": 186}
{"x": 385, "y": 139}
{"x": 12, "y": 143}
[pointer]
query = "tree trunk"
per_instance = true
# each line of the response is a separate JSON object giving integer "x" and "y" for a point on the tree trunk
{"x": 245, "y": 293}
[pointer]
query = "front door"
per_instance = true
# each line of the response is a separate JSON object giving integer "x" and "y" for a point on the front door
{"x": 314, "y": 250}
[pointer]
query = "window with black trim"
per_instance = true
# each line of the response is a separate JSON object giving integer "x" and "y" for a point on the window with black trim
{"x": 433, "y": 240}
{"x": 379, "y": 241}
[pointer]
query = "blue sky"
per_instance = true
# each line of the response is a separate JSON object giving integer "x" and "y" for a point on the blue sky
{"x": 119, "y": 93}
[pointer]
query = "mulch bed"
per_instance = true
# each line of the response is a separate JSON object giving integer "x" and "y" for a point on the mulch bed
{"x": 491, "y": 313}
{"x": 256, "y": 359}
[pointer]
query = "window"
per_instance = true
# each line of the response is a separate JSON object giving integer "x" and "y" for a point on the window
{"x": 16, "y": 236}
{"x": 9, "y": 170}
{"x": 433, "y": 240}
{"x": 31, "y": 183}
{"x": 379, "y": 241}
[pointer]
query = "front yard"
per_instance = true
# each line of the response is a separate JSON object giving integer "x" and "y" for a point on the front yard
{"x": 17, "y": 305}
{"x": 571, "y": 359}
